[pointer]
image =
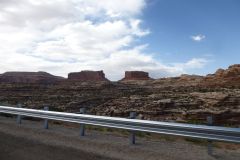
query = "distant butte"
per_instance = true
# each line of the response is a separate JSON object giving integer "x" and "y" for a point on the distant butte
{"x": 87, "y": 76}
{"x": 29, "y": 77}
{"x": 222, "y": 77}
{"x": 136, "y": 75}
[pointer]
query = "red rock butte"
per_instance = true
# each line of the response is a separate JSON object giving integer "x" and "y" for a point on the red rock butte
{"x": 136, "y": 75}
{"x": 87, "y": 76}
{"x": 29, "y": 77}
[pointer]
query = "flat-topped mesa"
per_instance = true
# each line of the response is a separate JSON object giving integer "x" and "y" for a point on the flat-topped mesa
{"x": 29, "y": 77}
{"x": 87, "y": 76}
{"x": 136, "y": 75}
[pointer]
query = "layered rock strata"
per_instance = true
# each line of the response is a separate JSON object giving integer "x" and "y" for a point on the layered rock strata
{"x": 87, "y": 76}
{"x": 136, "y": 75}
{"x": 30, "y": 77}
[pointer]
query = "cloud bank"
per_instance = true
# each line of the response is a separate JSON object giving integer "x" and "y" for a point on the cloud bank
{"x": 62, "y": 36}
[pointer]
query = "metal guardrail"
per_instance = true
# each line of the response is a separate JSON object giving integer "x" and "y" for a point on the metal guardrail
{"x": 177, "y": 129}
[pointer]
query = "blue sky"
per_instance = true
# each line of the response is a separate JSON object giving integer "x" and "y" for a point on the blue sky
{"x": 163, "y": 37}
{"x": 173, "y": 22}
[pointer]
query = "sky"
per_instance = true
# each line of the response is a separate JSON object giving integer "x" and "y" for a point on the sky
{"x": 163, "y": 37}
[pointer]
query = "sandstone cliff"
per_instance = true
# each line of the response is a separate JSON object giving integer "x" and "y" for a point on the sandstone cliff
{"x": 87, "y": 76}
{"x": 229, "y": 77}
{"x": 136, "y": 75}
{"x": 29, "y": 77}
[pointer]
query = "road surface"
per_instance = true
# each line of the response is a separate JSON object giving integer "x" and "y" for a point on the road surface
{"x": 15, "y": 148}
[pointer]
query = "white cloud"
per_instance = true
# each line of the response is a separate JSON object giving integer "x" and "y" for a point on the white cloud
{"x": 198, "y": 37}
{"x": 62, "y": 36}
{"x": 196, "y": 63}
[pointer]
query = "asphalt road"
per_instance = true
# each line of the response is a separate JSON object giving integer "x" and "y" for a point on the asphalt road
{"x": 15, "y": 148}
{"x": 29, "y": 141}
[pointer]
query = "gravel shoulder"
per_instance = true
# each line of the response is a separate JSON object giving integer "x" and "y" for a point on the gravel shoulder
{"x": 30, "y": 141}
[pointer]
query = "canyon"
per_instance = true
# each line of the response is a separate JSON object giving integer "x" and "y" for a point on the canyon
{"x": 187, "y": 98}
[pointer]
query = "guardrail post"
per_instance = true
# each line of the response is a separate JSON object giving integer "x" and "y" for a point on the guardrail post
{"x": 132, "y": 136}
{"x": 82, "y": 126}
{"x": 19, "y": 117}
{"x": 46, "y": 108}
{"x": 210, "y": 147}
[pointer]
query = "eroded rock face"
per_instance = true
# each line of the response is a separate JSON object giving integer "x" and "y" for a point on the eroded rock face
{"x": 29, "y": 77}
{"x": 232, "y": 71}
{"x": 87, "y": 76}
{"x": 219, "y": 72}
{"x": 227, "y": 77}
{"x": 136, "y": 75}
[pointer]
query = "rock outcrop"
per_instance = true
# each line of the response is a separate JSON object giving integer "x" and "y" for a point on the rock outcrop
{"x": 87, "y": 76}
{"x": 136, "y": 75}
{"x": 29, "y": 77}
{"x": 232, "y": 71}
{"x": 187, "y": 98}
{"x": 219, "y": 73}
{"x": 229, "y": 77}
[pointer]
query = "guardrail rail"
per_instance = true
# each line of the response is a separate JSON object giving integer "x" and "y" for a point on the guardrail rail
{"x": 211, "y": 133}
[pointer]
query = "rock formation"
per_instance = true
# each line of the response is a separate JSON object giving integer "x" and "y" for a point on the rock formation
{"x": 228, "y": 77}
{"x": 232, "y": 71}
{"x": 87, "y": 76}
{"x": 136, "y": 75}
{"x": 219, "y": 73}
{"x": 29, "y": 77}
{"x": 187, "y": 98}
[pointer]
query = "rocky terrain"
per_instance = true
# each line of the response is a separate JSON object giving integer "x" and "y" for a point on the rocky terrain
{"x": 188, "y": 98}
